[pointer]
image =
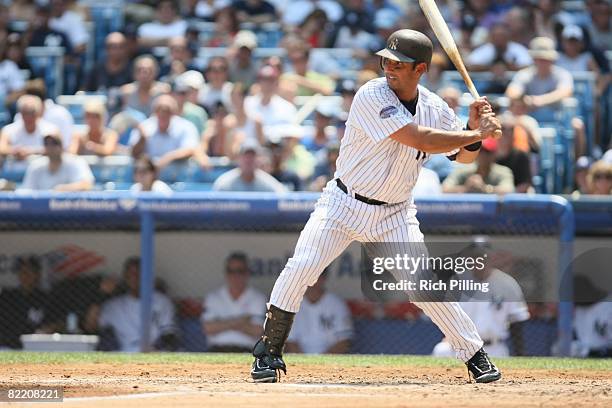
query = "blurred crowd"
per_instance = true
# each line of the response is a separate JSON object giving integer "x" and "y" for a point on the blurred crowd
{"x": 159, "y": 94}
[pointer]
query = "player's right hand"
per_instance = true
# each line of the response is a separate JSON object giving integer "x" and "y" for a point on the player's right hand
{"x": 489, "y": 126}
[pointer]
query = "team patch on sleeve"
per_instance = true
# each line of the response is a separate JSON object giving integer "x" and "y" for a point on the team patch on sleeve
{"x": 388, "y": 112}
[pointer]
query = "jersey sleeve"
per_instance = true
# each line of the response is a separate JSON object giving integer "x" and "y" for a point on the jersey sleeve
{"x": 450, "y": 121}
{"x": 377, "y": 112}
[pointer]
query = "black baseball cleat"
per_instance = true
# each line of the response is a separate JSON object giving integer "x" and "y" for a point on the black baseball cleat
{"x": 482, "y": 369}
{"x": 266, "y": 367}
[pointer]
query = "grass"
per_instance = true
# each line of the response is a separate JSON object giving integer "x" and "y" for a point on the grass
{"x": 546, "y": 363}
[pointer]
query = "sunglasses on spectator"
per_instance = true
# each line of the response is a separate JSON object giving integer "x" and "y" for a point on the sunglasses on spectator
{"x": 600, "y": 176}
{"x": 114, "y": 45}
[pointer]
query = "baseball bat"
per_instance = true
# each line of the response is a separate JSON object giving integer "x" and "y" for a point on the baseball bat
{"x": 440, "y": 28}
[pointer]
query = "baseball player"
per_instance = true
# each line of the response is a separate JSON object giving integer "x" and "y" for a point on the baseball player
{"x": 394, "y": 124}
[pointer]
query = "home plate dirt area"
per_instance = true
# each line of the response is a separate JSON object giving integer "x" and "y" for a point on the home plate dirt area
{"x": 334, "y": 381}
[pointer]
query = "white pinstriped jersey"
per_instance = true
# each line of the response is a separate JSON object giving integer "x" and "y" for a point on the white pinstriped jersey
{"x": 372, "y": 164}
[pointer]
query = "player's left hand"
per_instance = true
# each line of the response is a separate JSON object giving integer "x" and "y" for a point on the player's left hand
{"x": 479, "y": 107}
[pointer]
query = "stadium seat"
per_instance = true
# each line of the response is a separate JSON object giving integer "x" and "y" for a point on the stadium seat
{"x": 107, "y": 17}
{"x": 48, "y": 63}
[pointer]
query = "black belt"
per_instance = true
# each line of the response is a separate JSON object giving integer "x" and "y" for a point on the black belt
{"x": 359, "y": 197}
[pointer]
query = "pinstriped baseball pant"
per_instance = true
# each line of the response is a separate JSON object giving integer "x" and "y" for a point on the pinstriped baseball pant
{"x": 338, "y": 220}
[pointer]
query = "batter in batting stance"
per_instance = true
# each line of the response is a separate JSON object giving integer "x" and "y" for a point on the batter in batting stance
{"x": 393, "y": 125}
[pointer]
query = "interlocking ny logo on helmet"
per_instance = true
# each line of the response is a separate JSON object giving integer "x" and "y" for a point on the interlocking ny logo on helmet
{"x": 408, "y": 46}
{"x": 393, "y": 44}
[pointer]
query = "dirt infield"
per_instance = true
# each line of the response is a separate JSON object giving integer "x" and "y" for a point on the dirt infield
{"x": 202, "y": 385}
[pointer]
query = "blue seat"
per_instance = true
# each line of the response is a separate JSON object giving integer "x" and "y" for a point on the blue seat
{"x": 189, "y": 186}
{"x": 208, "y": 176}
{"x": 48, "y": 63}
{"x": 175, "y": 172}
{"x": 107, "y": 17}
{"x": 106, "y": 173}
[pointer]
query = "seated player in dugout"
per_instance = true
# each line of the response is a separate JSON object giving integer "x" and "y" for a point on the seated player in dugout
{"x": 393, "y": 126}
{"x": 232, "y": 314}
{"x": 323, "y": 324}
{"x": 498, "y": 313}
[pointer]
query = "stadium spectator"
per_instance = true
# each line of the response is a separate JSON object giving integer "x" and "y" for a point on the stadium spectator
{"x": 233, "y": 313}
{"x": 509, "y": 156}
{"x": 165, "y": 136}
{"x": 354, "y": 30}
{"x": 432, "y": 80}
{"x": 70, "y": 23}
{"x": 326, "y": 169}
{"x": 581, "y": 170}
{"x": 56, "y": 170}
{"x": 499, "y": 50}
{"x": 24, "y": 309}
{"x": 206, "y": 9}
{"x": 318, "y": 137}
{"x": 140, "y": 94}
{"x": 218, "y": 88}
{"x": 24, "y": 137}
{"x": 544, "y": 85}
{"x": 599, "y": 178}
{"x": 5, "y": 18}
{"x": 42, "y": 35}
{"x": 51, "y": 112}
{"x": 519, "y": 21}
{"x": 575, "y": 57}
{"x": 267, "y": 107}
{"x": 115, "y": 69}
{"x": 119, "y": 314}
{"x": 302, "y": 81}
{"x": 185, "y": 91}
{"x": 484, "y": 176}
{"x": 242, "y": 68}
{"x": 225, "y": 130}
{"x": 22, "y": 10}
{"x": 386, "y": 21}
{"x": 302, "y": 9}
{"x": 427, "y": 184}
{"x": 167, "y": 24}
{"x": 248, "y": 176}
{"x": 179, "y": 59}
{"x": 314, "y": 30}
{"x": 226, "y": 27}
{"x": 11, "y": 80}
{"x": 15, "y": 51}
{"x": 146, "y": 177}
{"x": 323, "y": 324}
{"x": 95, "y": 139}
{"x": 297, "y": 158}
{"x": 219, "y": 139}
{"x": 600, "y": 29}
{"x": 348, "y": 88}
{"x": 550, "y": 19}
{"x": 527, "y": 130}
{"x": 254, "y": 11}
{"x": 278, "y": 167}
{"x": 499, "y": 313}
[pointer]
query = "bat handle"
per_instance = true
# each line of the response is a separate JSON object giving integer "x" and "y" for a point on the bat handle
{"x": 475, "y": 95}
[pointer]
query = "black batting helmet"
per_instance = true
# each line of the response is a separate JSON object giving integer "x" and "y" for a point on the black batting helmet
{"x": 408, "y": 46}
